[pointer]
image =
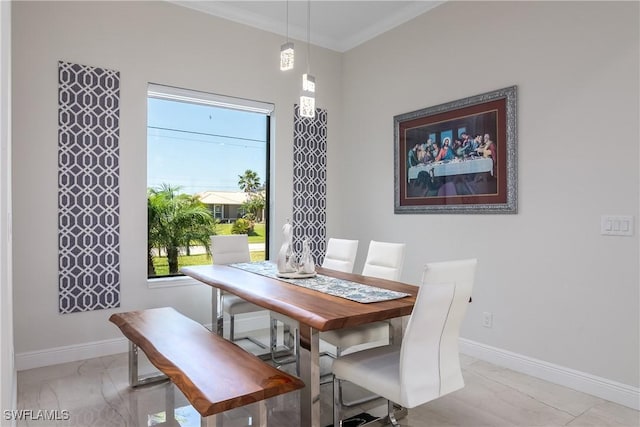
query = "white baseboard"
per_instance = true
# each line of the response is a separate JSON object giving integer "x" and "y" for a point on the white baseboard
{"x": 613, "y": 391}
{"x": 75, "y": 352}
{"x": 70, "y": 353}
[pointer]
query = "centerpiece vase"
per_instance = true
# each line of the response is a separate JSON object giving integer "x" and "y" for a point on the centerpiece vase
{"x": 307, "y": 266}
{"x": 286, "y": 261}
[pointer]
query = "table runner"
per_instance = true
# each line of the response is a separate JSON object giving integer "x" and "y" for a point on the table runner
{"x": 353, "y": 291}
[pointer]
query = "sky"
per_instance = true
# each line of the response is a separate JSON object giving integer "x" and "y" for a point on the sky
{"x": 201, "y": 147}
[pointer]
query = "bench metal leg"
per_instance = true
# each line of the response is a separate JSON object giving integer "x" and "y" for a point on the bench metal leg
{"x": 211, "y": 421}
{"x": 170, "y": 404}
{"x": 258, "y": 416}
{"x": 134, "y": 379}
{"x": 261, "y": 414}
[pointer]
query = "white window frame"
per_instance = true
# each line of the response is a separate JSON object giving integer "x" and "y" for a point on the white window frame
{"x": 172, "y": 93}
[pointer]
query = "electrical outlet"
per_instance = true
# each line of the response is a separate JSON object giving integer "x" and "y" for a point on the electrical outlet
{"x": 487, "y": 319}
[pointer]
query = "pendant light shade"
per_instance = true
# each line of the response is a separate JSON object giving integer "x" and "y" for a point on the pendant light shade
{"x": 286, "y": 56}
{"x": 307, "y": 106}
{"x": 308, "y": 83}
{"x": 287, "y": 53}
{"x": 308, "y": 96}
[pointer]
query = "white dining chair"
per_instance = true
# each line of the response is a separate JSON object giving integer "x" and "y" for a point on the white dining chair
{"x": 340, "y": 255}
{"x": 384, "y": 260}
{"x": 426, "y": 365}
{"x": 229, "y": 249}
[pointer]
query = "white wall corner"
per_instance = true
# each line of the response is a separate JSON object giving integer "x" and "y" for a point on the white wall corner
{"x": 8, "y": 385}
{"x": 613, "y": 391}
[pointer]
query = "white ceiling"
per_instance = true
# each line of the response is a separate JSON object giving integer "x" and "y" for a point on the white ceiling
{"x": 336, "y": 25}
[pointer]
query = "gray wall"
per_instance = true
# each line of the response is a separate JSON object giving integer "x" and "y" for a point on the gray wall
{"x": 147, "y": 42}
{"x": 558, "y": 290}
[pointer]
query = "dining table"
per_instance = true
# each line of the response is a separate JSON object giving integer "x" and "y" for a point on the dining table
{"x": 315, "y": 311}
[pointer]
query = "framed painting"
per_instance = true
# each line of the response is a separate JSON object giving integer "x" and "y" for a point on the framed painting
{"x": 458, "y": 157}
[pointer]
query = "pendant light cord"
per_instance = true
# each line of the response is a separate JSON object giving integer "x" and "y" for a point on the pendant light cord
{"x": 308, "y": 36}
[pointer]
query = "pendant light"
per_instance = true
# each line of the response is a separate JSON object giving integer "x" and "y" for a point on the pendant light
{"x": 286, "y": 50}
{"x": 308, "y": 94}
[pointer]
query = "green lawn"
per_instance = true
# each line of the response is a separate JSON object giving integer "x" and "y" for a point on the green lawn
{"x": 162, "y": 265}
{"x": 258, "y": 235}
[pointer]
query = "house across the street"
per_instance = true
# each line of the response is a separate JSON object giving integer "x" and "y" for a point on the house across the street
{"x": 226, "y": 206}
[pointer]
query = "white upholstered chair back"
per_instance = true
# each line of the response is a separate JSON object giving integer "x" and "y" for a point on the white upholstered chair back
{"x": 384, "y": 260}
{"x": 340, "y": 255}
{"x": 229, "y": 249}
{"x": 429, "y": 362}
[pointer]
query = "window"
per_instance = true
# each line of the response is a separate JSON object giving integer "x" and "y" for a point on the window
{"x": 217, "y": 211}
{"x": 207, "y": 173}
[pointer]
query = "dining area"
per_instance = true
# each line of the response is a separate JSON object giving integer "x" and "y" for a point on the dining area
{"x": 552, "y": 334}
{"x": 397, "y": 341}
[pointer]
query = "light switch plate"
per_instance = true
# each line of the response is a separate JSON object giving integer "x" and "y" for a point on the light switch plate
{"x": 616, "y": 225}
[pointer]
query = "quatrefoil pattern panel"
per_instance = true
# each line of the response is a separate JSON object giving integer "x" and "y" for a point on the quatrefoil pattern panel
{"x": 88, "y": 188}
{"x": 310, "y": 182}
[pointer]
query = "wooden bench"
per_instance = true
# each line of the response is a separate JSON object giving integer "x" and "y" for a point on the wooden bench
{"x": 214, "y": 374}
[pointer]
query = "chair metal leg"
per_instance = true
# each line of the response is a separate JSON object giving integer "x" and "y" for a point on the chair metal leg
{"x": 290, "y": 342}
{"x": 337, "y": 406}
{"x": 355, "y": 402}
{"x": 391, "y": 414}
{"x": 233, "y": 338}
{"x": 273, "y": 336}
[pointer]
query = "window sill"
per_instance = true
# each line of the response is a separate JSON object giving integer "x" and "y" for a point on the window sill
{"x": 172, "y": 282}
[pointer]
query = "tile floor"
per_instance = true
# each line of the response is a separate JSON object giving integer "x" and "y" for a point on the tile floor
{"x": 95, "y": 392}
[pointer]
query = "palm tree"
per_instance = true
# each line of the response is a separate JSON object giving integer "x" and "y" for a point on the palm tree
{"x": 249, "y": 182}
{"x": 176, "y": 220}
{"x": 152, "y": 239}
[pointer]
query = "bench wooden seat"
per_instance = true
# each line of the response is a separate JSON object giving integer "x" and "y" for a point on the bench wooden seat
{"x": 214, "y": 374}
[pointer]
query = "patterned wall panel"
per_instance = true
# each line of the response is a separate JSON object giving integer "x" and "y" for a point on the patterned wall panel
{"x": 88, "y": 188}
{"x": 310, "y": 182}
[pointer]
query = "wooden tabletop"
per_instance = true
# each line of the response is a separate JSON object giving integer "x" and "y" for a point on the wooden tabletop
{"x": 316, "y": 309}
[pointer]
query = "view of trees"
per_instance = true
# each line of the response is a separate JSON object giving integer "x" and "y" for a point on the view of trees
{"x": 249, "y": 182}
{"x": 178, "y": 221}
{"x": 175, "y": 220}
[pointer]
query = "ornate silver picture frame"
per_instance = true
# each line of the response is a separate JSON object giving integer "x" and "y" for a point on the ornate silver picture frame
{"x": 458, "y": 157}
